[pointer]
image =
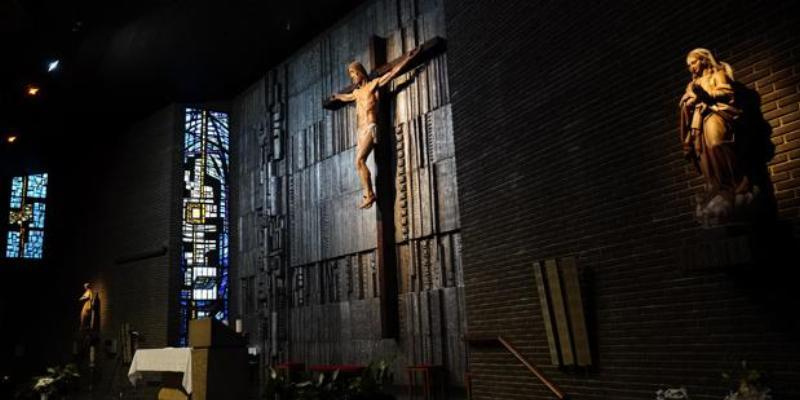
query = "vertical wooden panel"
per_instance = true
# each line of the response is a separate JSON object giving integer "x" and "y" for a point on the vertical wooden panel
{"x": 572, "y": 290}
{"x": 546, "y": 317}
{"x": 559, "y": 312}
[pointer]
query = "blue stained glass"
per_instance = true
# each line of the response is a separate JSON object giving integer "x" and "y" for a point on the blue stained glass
{"x": 205, "y": 228}
{"x": 12, "y": 245}
{"x": 16, "y": 192}
{"x": 38, "y": 216}
{"x": 33, "y": 247}
{"x": 37, "y": 186}
{"x": 26, "y": 217}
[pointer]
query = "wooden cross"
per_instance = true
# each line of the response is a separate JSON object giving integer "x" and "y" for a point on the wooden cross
{"x": 384, "y": 182}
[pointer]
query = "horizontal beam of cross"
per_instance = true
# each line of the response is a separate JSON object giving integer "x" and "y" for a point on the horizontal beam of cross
{"x": 429, "y": 49}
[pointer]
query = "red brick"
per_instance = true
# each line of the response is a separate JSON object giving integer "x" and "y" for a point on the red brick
{"x": 777, "y": 94}
{"x": 779, "y": 158}
{"x": 787, "y": 83}
{"x": 788, "y": 184}
{"x": 786, "y": 166}
{"x": 785, "y": 101}
{"x": 783, "y": 176}
{"x": 785, "y": 195}
{"x": 786, "y": 128}
{"x": 787, "y": 146}
{"x": 769, "y": 106}
{"x": 783, "y": 74}
{"x": 790, "y": 118}
{"x": 781, "y": 112}
{"x": 754, "y": 77}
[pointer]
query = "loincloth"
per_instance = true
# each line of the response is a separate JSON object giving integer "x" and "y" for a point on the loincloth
{"x": 371, "y": 130}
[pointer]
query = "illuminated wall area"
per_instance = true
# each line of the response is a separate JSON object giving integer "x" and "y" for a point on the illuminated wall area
{"x": 25, "y": 237}
{"x": 205, "y": 225}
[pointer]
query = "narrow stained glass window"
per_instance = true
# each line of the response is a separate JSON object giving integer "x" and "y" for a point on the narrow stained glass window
{"x": 25, "y": 237}
{"x": 205, "y": 227}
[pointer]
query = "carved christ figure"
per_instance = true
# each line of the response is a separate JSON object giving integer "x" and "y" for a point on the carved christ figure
{"x": 366, "y": 96}
{"x": 708, "y": 113}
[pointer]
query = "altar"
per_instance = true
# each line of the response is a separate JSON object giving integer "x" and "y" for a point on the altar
{"x": 214, "y": 367}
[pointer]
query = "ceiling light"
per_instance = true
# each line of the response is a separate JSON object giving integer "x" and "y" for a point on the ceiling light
{"x": 32, "y": 90}
{"x": 11, "y": 139}
{"x": 52, "y": 65}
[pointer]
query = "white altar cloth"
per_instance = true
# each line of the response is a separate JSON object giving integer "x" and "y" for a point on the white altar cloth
{"x": 168, "y": 359}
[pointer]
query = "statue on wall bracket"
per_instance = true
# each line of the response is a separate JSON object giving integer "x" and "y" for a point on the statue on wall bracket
{"x": 717, "y": 141}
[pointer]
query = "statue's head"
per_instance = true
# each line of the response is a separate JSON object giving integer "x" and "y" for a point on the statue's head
{"x": 700, "y": 59}
{"x": 357, "y": 72}
{"x": 86, "y": 285}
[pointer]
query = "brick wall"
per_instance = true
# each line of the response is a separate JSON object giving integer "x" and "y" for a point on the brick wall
{"x": 565, "y": 118}
{"x": 137, "y": 217}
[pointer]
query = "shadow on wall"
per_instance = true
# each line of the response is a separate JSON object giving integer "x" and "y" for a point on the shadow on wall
{"x": 753, "y": 143}
{"x": 770, "y": 282}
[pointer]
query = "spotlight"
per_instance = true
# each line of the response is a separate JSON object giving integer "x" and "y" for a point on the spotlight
{"x": 11, "y": 139}
{"x": 32, "y": 90}
{"x": 52, "y": 65}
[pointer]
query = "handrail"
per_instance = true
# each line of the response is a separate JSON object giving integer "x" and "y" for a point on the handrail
{"x": 533, "y": 369}
{"x": 547, "y": 382}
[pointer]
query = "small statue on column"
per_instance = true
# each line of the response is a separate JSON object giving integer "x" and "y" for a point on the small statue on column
{"x": 88, "y": 331}
{"x": 88, "y": 309}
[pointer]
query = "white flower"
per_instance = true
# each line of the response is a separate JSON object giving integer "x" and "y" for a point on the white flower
{"x": 757, "y": 395}
{"x": 672, "y": 394}
{"x": 43, "y": 383}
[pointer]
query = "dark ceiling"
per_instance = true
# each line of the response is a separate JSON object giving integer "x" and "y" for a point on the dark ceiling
{"x": 126, "y": 58}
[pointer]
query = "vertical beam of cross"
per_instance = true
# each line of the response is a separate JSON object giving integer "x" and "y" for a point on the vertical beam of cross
{"x": 384, "y": 213}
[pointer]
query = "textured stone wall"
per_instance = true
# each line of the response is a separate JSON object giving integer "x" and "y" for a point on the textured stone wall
{"x": 307, "y": 255}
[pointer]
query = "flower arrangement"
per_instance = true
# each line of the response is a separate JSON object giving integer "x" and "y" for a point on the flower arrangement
{"x": 55, "y": 381}
{"x": 370, "y": 385}
{"x": 672, "y": 394}
{"x": 749, "y": 382}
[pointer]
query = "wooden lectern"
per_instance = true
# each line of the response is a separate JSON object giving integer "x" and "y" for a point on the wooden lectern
{"x": 219, "y": 361}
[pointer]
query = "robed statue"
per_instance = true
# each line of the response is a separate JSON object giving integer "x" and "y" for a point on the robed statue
{"x": 88, "y": 309}
{"x": 708, "y": 129}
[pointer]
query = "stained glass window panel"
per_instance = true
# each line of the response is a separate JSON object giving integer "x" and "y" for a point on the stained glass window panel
{"x": 37, "y": 186}
{"x": 12, "y": 246}
{"x": 26, "y": 217}
{"x": 37, "y": 220}
{"x": 33, "y": 247}
{"x": 205, "y": 226}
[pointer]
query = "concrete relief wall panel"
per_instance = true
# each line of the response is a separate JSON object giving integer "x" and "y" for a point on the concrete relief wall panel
{"x": 323, "y": 282}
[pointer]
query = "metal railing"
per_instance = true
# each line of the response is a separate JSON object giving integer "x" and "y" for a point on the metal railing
{"x": 560, "y": 395}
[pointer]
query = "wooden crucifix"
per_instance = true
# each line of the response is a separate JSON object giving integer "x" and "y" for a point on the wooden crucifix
{"x": 373, "y": 125}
